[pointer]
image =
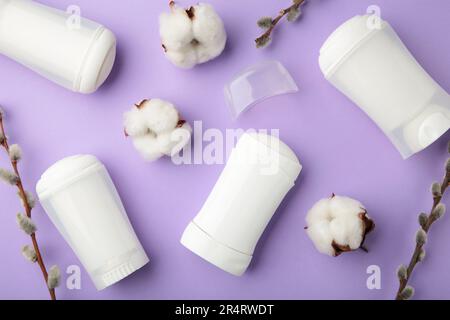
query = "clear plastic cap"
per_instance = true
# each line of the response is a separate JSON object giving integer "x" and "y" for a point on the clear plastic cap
{"x": 258, "y": 82}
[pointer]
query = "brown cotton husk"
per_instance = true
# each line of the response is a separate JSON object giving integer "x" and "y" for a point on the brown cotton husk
{"x": 140, "y": 105}
{"x": 338, "y": 248}
{"x": 369, "y": 225}
{"x": 180, "y": 123}
{"x": 191, "y": 13}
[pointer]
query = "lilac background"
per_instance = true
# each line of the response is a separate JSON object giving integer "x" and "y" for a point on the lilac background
{"x": 341, "y": 149}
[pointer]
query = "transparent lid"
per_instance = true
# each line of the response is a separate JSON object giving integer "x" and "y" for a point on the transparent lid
{"x": 258, "y": 82}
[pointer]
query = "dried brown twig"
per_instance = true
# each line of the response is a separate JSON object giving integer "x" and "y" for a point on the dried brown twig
{"x": 293, "y": 13}
{"x": 404, "y": 273}
{"x": 25, "y": 223}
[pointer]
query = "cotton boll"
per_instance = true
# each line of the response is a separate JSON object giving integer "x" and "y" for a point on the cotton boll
{"x": 321, "y": 212}
{"x": 175, "y": 28}
{"x": 156, "y": 129}
{"x": 207, "y": 25}
{"x": 204, "y": 53}
{"x": 347, "y": 231}
{"x": 182, "y": 136}
{"x": 185, "y": 57}
{"x": 177, "y": 36}
{"x": 134, "y": 122}
{"x": 165, "y": 143}
{"x": 192, "y": 36}
{"x": 148, "y": 147}
{"x": 209, "y": 31}
{"x": 320, "y": 234}
{"x": 160, "y": 116}
{"x": 173, "y": 142}
{"x": 338, "y": 224}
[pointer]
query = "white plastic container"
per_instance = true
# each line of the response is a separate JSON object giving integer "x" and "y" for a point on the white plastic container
{"x": 81, "y": 200}
{"x": 259, "y": 173}
{"x": 373, "y": 68}
{"x": 42, "y": 39}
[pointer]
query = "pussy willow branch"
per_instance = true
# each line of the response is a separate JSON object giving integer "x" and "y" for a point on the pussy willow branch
{"x": 295, "y": 6}
{"x": 431, "y": 219}
{"x": 28, "y": 209}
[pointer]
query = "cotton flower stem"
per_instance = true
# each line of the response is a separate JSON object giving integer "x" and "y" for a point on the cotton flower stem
{"x": 431, "y": 219}
{"x": 295, "y": 6}
{"x": 28, "y": 209}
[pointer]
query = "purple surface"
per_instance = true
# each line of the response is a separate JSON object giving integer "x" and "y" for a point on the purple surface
{"x": 341, "y": 150}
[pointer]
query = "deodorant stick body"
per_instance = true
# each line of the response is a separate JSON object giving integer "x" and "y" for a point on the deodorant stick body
{"x": 77, "y": 56}
{"x": 81, "y": 200}
{"x": 259, "y": 173}
{"x": 369, "y": 63}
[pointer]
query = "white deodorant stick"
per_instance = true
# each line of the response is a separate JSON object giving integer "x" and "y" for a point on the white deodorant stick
{"x": 74, "y": 52}
{"x": 81, "y": 200}
{"x": 259, "y": 173}
{"x": 366, "y": 60}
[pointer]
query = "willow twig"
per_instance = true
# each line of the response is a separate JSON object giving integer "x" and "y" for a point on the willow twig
{"x": 293, "y": 12}
{"x": 438, "y": 190}
{"x": 26, "y": 204}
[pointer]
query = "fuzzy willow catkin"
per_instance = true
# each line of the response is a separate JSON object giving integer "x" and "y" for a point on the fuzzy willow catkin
{"x": 26, "y": 224}
{"x": 268, "y": 24}
{"x": 29, "y": 253}
{"x": 24, "y": 221}
{"x": 54, "y": 277}
{"x": 9, "y": 177}
{"x": 15, "y": 153}
{"x": 406, "y": 291}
